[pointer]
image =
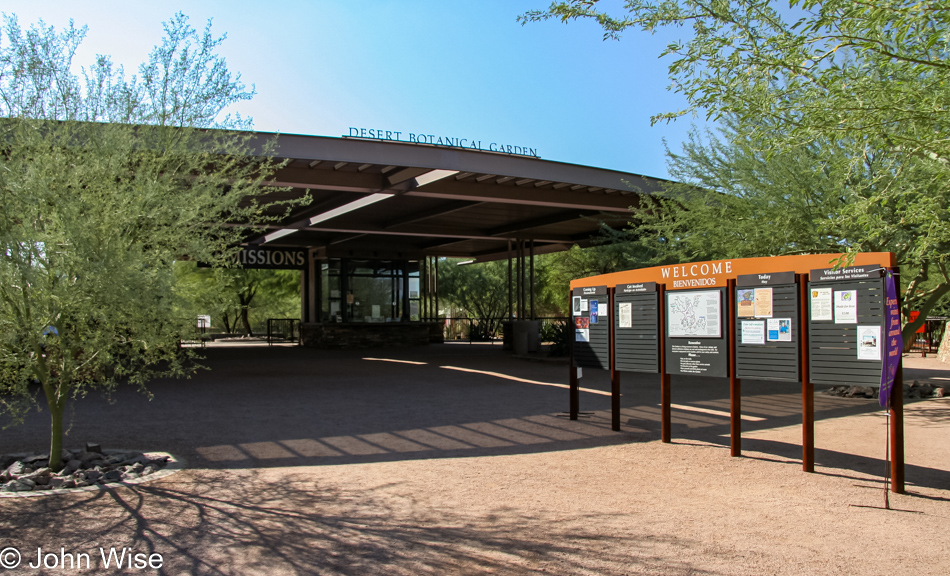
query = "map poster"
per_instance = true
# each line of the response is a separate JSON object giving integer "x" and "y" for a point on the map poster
{"x": 869, "y": 342}
{"x": 846, "y": 306}
{"x": 745, "y": 302}
{"x": 625, "y": 315}
{"x": 753, "y": 332}
{"x": 695, "y": 314}
{"x": 763, "y": 302}
{"x": 779, "y": 330}
{"x": 594, "y": 307}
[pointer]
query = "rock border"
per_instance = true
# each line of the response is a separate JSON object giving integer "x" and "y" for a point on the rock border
{"x": 914, "y": 391}
{"x": 174, "y": 464}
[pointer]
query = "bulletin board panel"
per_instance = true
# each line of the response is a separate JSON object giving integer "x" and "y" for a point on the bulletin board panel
{"x": 768, "y": 327}
{"x": 590, "y": 314}
{"x": 846, "y": 326}
{"x": 697, "y": 342}
{"x": 637, "y": 328}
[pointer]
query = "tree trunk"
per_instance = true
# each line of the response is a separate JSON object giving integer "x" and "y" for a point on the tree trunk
{"x": 246, "y": 321}
{"x": 56, "y": 437}
{"x": 943, "y": 353}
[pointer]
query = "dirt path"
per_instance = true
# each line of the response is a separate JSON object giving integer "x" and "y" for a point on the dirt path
{"x": 378, "y": 467}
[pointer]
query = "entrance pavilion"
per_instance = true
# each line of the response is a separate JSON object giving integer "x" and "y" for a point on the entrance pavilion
{"x": 383, "y": 212}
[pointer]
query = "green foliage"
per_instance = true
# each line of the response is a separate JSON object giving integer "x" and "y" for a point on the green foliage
{"x": 837, "y": 113}
{"x": 862, "y": 70}
{"x": 237, "y": 300}
{"x": 734, "y": 202}
{"x": 480, "y": 290}
{"x": 92, "y": 215}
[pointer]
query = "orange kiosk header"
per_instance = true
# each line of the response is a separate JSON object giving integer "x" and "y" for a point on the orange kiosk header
{"x": 715, "y": 273}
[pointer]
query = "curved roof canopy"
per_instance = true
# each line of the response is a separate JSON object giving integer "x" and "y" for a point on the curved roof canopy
{"x": 388, "y": 199}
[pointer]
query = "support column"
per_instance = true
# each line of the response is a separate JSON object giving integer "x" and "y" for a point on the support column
{"x": 435, "y": 283}
{"x": 897, "y": 431}
{"x": 575, "y": 400}
{"x": 533, "y": 315}
{"x": 314, "y": 273}
{"x": 666, "y": 419}
{"x": 808, "y": 389}
{"x": 735, "y": 386}
{"x": 510, "y": 310}
{"x": 404, "y": 269}
{"x": 614, "y": 373}
{"x": 897, "y": 416}
{"x": 305, "y": 288}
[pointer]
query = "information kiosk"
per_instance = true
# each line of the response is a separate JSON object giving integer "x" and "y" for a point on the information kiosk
{"x": 784, "y": 318}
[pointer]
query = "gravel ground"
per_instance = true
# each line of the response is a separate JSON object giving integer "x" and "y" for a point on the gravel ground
{"x": 456, "y": 459}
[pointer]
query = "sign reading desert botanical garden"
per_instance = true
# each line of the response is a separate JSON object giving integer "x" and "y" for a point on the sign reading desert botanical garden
{"x": 435, "y": 140}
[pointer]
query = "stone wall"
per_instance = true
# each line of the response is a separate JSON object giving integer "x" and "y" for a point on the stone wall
{"x": 370, "y": 335}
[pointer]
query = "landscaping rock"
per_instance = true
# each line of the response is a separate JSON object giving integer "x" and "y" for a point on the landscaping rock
{"x": 16, "y": 469}
{"x": 83, "y": 468}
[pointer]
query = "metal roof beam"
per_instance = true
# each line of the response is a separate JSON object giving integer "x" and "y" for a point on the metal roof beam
{"x": 463, "y": 190}
{"x": 541, "y": 221}
{"x": 440, "y": 210}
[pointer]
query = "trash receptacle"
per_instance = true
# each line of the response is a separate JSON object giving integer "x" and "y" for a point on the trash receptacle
{"x": 527, "y": 336}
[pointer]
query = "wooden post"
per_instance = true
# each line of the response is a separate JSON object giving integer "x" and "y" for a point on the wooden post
{"x": 575, "y": 388}
{"x": 665, "y": 412}
{"x": 614, "y": 373}
{"x": 735, "y": 386}
{"x": 808, "y": 389}
{"x": 897, "y": 431}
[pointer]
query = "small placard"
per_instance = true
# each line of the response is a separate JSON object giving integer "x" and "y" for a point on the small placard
{"x": 636, "y": 288}
{"x": 590, "y": 291}
{"x": 852, "y": 273}
{"x": 765, "y": 279}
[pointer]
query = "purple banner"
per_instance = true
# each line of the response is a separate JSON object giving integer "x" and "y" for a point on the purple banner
{"x": 895, "y": 343}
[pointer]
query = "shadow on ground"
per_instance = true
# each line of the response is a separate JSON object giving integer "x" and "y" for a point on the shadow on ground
{"x": 256, "y": 529}
{"x": 279, "y": 407}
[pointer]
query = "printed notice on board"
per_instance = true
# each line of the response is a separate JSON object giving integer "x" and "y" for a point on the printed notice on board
{"x": 576, "y": 300}
{"x": 753, "y": 332}
{"x": 745, "y": 302}
{"x": 695, "y": 314}
{"x": 582, "y": 329}
{"x": 594, "y": 311}
{"x": 869, "y": 342}
{"x": 625, "y": 315}
{"x": 846, "y": 306}
{"x": 763, "y": 302}
{"x": 779, "y": 330}
{"x": 821, "y": 304}
{"x": 585, "y": 305}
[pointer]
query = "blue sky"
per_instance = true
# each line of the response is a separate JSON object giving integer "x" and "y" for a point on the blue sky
{"x": 460, "y": 68}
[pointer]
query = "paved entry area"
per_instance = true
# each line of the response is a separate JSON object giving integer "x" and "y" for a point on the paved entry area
{"x": 456, "y": 459}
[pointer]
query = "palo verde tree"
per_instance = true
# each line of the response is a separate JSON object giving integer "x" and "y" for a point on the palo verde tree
{"x": 802, "y": 200}
{"x": 858, "y": 90}
{"x": 105, "y": 180}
